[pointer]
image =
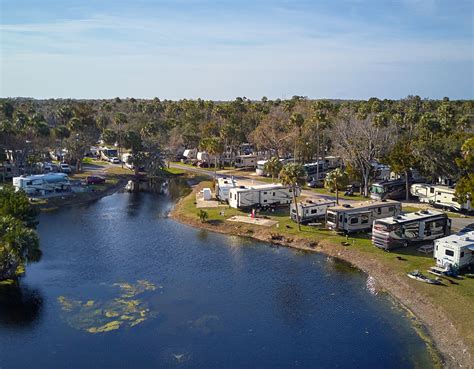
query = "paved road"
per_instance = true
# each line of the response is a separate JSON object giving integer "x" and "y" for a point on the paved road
{"x": 457, "y": 223}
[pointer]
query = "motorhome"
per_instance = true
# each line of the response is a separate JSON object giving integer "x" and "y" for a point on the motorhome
{"x": 310, "y": 209}
{"x": 455, "y": 251}
{"x": 107, "y": 154}
{"x": 260, "y": 196}
{"x": 318, "y": 168}
{"x": 402, "y": 230}
{"x": 349, "y": 218}
{"x": 224, "y": 184}
{"x": 246, "y": 161}
{"x": 42, "y": 184}
{"x": 441, "y": 196}
{"x": 390, "y": 189}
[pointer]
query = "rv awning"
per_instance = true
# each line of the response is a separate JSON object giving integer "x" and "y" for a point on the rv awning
{"x": 471, "y": 248}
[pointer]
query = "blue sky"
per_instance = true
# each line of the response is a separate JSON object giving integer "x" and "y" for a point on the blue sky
{"x": 224, "y": 49}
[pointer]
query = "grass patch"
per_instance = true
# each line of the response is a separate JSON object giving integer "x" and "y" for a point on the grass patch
{"x": 323, "y": 191}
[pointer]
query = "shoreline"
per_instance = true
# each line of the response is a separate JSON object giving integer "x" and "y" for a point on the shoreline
{"x": 443, "y": 339}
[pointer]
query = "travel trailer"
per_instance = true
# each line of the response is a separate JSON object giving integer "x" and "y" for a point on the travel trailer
{"x": 260, "y": 167}
{"x": 441, "y": 196}
{"x": 224, "y": 184}
{"x": 402, "y": 230}
{"x": 455, "y": 251}
{"x": 108, "y": 154}
{"x": 42, "y": 184}
{"x": 390, "y": 189}
{"x": 310, "y": 209}
{"x": 360, "y": 216}
{"x": 260, "y": 196}
{"x": 246, "y": 161}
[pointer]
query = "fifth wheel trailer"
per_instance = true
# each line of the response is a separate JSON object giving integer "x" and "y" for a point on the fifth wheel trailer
{"x": 455, "y": 251}
{"x": 401, "y": 230}
{"x": 440, "y": 196}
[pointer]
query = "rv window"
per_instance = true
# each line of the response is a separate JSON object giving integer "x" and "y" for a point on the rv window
{"x": 28, "y": 183}
{"x": 364, "y": 219}
{"x": 439, "y": 193}
{"x": 354, "y": 220}
{"x": 264, "y": 193}
{"x": 314, "y": 211}
{"x": 273, "y": 193}
{"x": 290, "y": 190}
{"x": 431, "y": 190}
{"x": 449, "y": 252}
{"x": 391, "y": 209}
{"x": 379, "y": 210}
{"x": 340, "y": 218}
{"x": 264, "y": 200}
{"x": 462, "y": 254}
{"x": 455, "y": 199}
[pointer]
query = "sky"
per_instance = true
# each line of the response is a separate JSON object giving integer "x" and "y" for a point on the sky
{"x": 346, "y": 49}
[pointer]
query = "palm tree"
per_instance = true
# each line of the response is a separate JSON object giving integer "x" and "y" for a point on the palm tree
{"x": 292, "y": 175}
{"x": 297, "y": 121}
{"x": 120, "y": 119}
{"x": 273, "y": 166}
{"x": 336, "y": 180}
{"x": 213, "y": 146}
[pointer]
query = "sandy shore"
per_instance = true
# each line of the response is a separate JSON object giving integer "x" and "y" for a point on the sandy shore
{"x": 441, "y": 331}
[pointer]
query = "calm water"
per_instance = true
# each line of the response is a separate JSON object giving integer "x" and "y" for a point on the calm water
{"x": 204, "y": 300}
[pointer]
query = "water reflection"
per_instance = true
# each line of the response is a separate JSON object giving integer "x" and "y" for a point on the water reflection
{"x": 19, "y": 306}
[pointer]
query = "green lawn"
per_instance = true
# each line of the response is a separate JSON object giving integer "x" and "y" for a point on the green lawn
{"x": 324, "y": 191}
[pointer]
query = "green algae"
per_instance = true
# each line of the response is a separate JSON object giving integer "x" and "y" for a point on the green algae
{"x": 124, "y": 310}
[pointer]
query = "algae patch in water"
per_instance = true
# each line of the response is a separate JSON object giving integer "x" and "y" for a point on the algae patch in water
{"x": 125, "y": 310}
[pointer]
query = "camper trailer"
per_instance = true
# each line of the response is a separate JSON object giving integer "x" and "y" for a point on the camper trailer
{"x": 310, "y": 210}
{"x": 224, "y": 184}
{"x": 455, "y": 251}
{"x": 190, "y": 154}
{"x": 390, "y": 189}
{"x": 42, "y": 184}
{"x": 402, "y": 230}
{"x": 246, "y": 161}
{"x": 441, "y": 196}
{"x": 260, "y": 168}
{"x": 260, "y": 196}
{"x": 359, "y": 216}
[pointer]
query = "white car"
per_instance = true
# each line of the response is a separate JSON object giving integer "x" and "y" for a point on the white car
{"x": 115, "y": 160}
{"x": 65, "y": 168}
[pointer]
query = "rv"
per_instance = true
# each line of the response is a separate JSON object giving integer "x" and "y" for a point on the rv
{"x": 402, "y": 230}
{"x": 190, "y": 154}
{"x": 333, "y": 162}
{"x": 359, "y": 216}
{"x": 390, "y": 189}
{"x": 441, "y": 196}
{"x": 260, "y": 167}
{"x": 224, "y": 184}
{"x": 455, "y": 251}
{"x": 42, "y": 184}
{"x": 310, "y": 210}
{"x": 311, "y": 170}
{"x": 246, "y": 161}
{"x": 107, "y": 154}
{"x": 260, "y": 196}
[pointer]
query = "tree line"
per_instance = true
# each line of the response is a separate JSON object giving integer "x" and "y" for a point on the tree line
{"x": 432, "y": 136}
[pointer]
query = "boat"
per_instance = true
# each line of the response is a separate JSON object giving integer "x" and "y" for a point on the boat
{"x": 417, "y": 275}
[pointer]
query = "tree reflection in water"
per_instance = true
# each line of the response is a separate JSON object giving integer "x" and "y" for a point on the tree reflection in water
{"x": 19, "y": 306}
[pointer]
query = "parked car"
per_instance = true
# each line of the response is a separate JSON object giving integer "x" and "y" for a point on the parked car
{"x": 65, "y": 168}
{"x": 115, "y": 160}
{"x": 95, "y": 180}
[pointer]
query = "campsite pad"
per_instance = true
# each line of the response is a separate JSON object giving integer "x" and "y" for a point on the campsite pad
{"x": 201, "y": 203}
{"x": 257, "y": 221}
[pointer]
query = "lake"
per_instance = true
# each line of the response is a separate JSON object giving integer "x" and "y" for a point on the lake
{"x": 120, "y": 285}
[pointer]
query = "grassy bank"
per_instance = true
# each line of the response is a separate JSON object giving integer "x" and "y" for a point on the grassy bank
{"x": 443, "y": 309}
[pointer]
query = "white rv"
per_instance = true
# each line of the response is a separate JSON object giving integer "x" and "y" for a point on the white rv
{"x": 246, "y": 161}
{"x": 42, "y": 184}
{"x": 224, "y": 184}
{"x": 261, "y": 167}
{"x": 441, "y": 196}
{"x": 310, "y": 210}
{"x": 455, "y": 251}
{"x": 359, "y": 216}
{"x": 402, "y": 230}
{"x": 260, "y": 196}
